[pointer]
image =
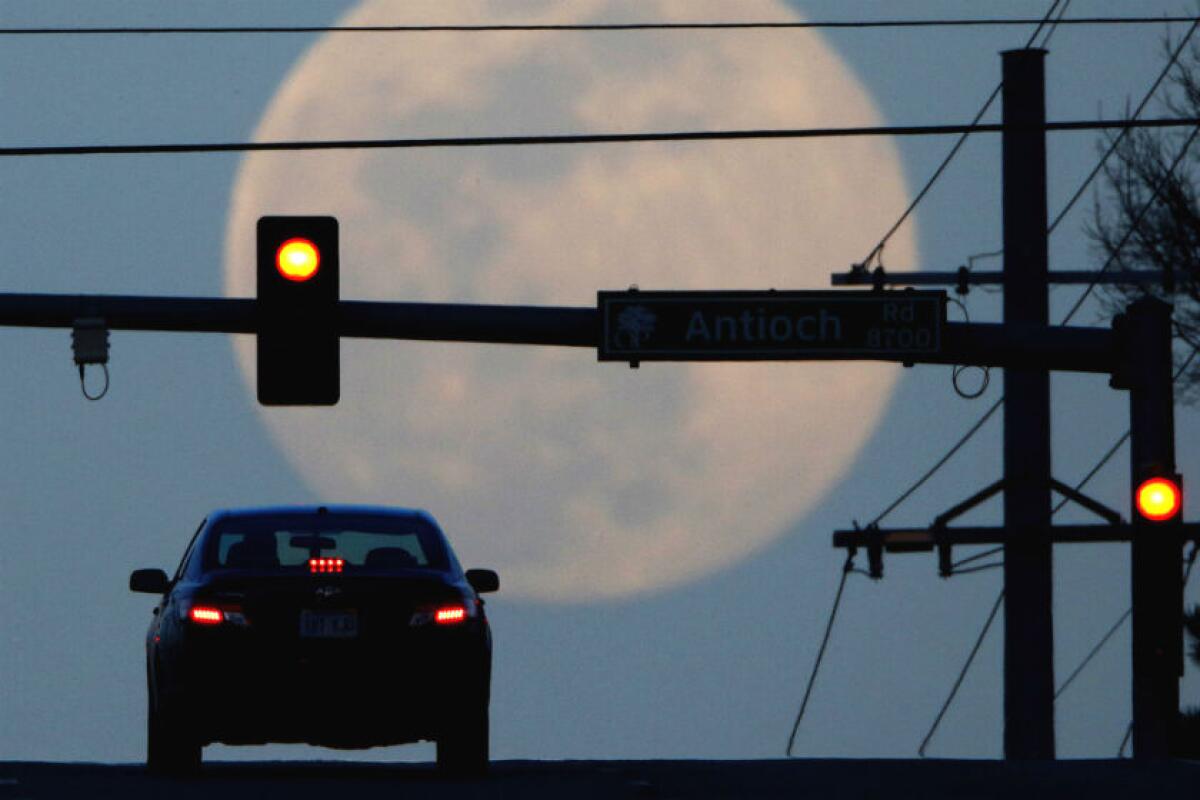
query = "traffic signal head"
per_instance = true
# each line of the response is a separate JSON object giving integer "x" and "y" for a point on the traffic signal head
{"x": 298, "y": 344}
{"x": 1159, "y": 499}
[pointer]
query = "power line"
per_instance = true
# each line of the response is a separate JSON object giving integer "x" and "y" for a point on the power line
{"x": 1091, "y": 473}
{"x": 962, "y": 441}
{"x": 1120, "y": 136}
{"x": 847, "y": 568}
{"x": 995, "y": 406}
{"x": 989, "y": 552}
{"x": 877, "y": 250}
{"x": 1104, "y": 459}
{"x": 1171, "y": 62}
{"x": 1092, "y": 654}
{"x": 940, "y": 463}
{"x": 1104, "y": 639}
{"x": 589, "y": 27}
{"x": 1187, "y": 573}
{"x": 1058, "y": 218}
{"x": 576, "y": 139}
{"x": 962, "y": 674}
{"x": 1137, "y": 221}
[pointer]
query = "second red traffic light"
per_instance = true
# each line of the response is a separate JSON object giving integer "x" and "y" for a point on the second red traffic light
{"x": 1158, "y": 499}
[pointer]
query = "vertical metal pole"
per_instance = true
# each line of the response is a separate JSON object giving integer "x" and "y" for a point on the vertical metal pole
{"x": 1156, "y": 550}
{"x": 1028, "y": 622}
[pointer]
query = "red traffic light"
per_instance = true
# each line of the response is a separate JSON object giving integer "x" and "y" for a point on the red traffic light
{"x": 1158, "y": 499}
{"x": 297, "y": 259}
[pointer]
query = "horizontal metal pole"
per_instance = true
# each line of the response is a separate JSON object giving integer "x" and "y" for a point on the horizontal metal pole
{"x": 570, "y": 327}
{"x": 984, "y": 344}
{"x": 901, "y": 540}
{"x": 1012, "y": 344}
{"x": 991, "y": 277}
{"x": 544, "y": 325}
{"x": 124, "y": 312}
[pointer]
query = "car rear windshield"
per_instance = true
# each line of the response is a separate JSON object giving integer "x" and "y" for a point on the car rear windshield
{"x": 287, "y": 543}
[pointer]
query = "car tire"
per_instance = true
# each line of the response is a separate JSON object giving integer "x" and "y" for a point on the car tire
{"x": 463, "y": 751}
{"x": 170, "y": 750}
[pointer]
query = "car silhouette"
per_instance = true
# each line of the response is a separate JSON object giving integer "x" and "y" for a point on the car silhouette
{"x": 340, "y": 626}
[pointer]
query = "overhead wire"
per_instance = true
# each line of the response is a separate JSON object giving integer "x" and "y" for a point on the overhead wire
{"x": 1116, "y": 446}
{"x": 1187, "y": 573}
{"x": 1092, "y": 653}
{"x": 970, "y": 433}
{"x": 1103, "y": 640}
{"x": 962, "y": 674}
{"x": 964, "y": 131}
{"x": 143, "y": 30}
{"x": 877, "y": 250}
{"x": 1145, "y": 208}
{"x": 1108, "y": 455}
{"x": 849, "y": 561}
{"x": 929, "y": 473}
{"x": 971, "y": 558}
{"x": 980, "y": 568}
{"x": 1137, "y": 112}
{"x": 847, "y": 568}
{"x": 1070, "y": 678}
{"x": 525, "y": 140}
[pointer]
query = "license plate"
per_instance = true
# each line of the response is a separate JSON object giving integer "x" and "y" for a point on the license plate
{"x": 328, "y": 624}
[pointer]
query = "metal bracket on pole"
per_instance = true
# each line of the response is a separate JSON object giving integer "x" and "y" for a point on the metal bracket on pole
{"x": 942, "y": 538}
{"x": 981, "y": 496}
{"x": 1096, "y": 507}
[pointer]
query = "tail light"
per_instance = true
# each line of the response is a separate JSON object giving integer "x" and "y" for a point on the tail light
{"x": 211, "y": 615}
{"x": 450, "y": 615}
{"x": 206, "y": 615}
{"x": 446, "y": 614}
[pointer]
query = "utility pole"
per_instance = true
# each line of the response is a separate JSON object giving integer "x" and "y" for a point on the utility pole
{"x": 1156, "y": 550}
{"x": 1028, "y": 574}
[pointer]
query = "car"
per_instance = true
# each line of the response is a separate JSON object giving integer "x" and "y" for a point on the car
{"x": 339, "y": 626}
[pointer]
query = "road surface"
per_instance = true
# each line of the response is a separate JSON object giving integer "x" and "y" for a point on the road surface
{"x": 582, "y": 780}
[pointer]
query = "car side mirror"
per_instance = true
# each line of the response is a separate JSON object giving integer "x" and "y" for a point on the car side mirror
{"x": 150, "y": 581}
{"x": 483, "y": 580}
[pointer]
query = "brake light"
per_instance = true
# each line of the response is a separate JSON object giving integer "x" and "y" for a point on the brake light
{"x": 455, "y": 614}
{"x": 216, "y": 615}
{"x": 326, "y": 565}
{"x": 206, "y": 615}
{"x": 451, "y": 615}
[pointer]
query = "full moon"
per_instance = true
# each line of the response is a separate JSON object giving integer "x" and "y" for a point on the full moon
{"x": 577, "y": 480}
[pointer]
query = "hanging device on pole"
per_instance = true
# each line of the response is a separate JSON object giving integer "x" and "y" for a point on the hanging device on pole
{"x": 298, "y": 343}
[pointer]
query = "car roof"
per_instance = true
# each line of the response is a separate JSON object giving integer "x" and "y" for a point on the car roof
{"x": 330, "y": 510}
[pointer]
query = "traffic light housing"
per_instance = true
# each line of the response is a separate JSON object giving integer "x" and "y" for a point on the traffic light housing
{"x": 1159, "y": 498}
{"x": 299, "y": 360}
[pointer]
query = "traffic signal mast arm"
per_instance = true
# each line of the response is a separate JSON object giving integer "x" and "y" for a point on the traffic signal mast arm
{"x": 1075, "y": 349}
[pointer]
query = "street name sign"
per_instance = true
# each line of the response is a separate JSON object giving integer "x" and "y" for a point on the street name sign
{"x": 769, "y": 325}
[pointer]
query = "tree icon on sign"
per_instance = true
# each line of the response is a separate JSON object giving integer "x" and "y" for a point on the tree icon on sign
{"x": 635, "y": 325}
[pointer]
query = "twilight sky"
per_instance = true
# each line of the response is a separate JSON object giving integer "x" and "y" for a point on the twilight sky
{"x": 686, "y": 629}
